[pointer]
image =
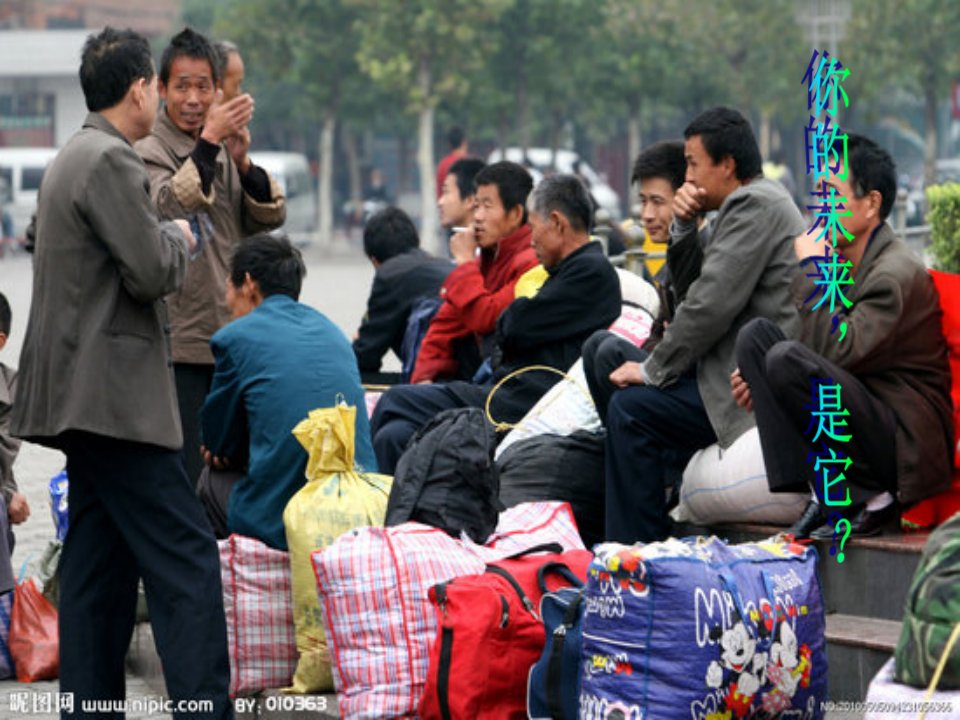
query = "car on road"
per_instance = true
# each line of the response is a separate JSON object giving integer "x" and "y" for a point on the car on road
{"x": 21, "y": 170}
{"x": 539, "y": 161}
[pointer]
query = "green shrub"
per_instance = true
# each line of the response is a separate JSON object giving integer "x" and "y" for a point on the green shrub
{"x": 944, "y": 219}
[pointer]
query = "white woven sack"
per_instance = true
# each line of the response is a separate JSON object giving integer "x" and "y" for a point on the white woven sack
{"x": 567, "y": 407}
{"x": 731, "y": 486}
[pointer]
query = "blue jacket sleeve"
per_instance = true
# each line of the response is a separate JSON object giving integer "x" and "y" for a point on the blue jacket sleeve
{"x": 224, "y": 423}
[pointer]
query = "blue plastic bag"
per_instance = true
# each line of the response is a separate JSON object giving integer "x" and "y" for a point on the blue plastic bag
{"x": 58, "y": 503}
{"x": 698, "y": 629}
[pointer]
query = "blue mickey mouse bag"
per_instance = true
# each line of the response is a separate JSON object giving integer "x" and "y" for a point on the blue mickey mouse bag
{"x": 700, "y": 629}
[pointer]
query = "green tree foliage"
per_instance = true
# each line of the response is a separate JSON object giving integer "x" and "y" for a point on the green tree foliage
{"x": 308, "y": 48}
{"x": 425, "y": 49}
{"x": 910, "y": 45}
{"x": 944, "y": 218}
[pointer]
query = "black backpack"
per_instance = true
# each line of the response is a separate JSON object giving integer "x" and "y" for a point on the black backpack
{"x": 447, "y": 478}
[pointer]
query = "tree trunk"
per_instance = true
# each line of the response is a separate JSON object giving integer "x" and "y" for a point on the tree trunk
{"x": 633, "y": 147}
{"x": 765, "y": 134}
{"x": 353, "y": 167}
{"x": 556, "y": 122}
{"x": 325, "y": 185}
{"x": 428, "y": 192}
{"x": 523, "y": 114}
{"x": 929, "y": 133}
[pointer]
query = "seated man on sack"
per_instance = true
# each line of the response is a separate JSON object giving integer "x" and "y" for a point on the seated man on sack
{"x": 479, "y": 288}
{"x": 884, "y": 353}
{"x": 658, "y": 172}
{"x": 404, "y": 274}
{"x": 669, "y": 403}
{"x": 580, "y": 296}
{"x": 274, "y": 363}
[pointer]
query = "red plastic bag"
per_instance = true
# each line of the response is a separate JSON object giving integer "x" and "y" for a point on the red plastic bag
{"x": 34, "y": 638}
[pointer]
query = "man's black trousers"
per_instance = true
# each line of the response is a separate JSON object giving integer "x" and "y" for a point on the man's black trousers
{"x": 133, "y": 513}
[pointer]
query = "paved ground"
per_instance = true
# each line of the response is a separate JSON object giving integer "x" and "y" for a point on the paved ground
{"x": 337, "y": 284}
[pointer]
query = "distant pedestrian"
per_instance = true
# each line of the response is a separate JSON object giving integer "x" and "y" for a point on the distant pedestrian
{"x": 457, "y": 140}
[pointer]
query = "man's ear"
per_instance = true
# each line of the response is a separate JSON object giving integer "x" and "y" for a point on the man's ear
{"x": 558, "y": 220}
{"x": 729, "y": 166}
{"x": 3, "y": 340}
{"x": 515, "y": 216}
{"x": 874, "y": 201}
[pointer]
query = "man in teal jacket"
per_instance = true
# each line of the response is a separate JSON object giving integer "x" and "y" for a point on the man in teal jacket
{"x": 274, "y": 363}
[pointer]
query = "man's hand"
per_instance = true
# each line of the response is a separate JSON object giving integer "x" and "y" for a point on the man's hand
{"x": 807, "y": 245}
{"x": 741, "y": 391}
{"x": 238, "y": 146}
{"x": 188, "y": 234}
{"x": 688, "y": 202}
{"x": 463, "y": 247}
{"x": 19, "y": 509}
{"x": 225, "y": 119}
{"x": 627, "y": 374}
{"x": 217, "y": 463}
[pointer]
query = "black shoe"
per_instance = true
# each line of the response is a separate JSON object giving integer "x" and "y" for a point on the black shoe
{"x": 863, "y": 524}
{"x": 813, "y": 517}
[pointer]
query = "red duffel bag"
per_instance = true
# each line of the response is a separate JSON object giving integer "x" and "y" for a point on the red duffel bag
{"x": 490, "y": 634}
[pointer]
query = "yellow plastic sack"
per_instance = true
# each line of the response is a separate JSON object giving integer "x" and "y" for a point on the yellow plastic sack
{"x": 335, "y": 499}
{"x": 529, "y": 283}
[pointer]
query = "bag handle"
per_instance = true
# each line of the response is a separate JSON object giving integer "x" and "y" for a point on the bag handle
{"x": 935, "y": 680}
{"x": 557, "y": 568}
{"x": 553, "y": 679}
{"x": 501, "y": 426}
{"x": 551, "y": 547}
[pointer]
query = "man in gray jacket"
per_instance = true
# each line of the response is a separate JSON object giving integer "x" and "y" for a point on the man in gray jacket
{"x": 96, "y": 382}
{"x": 677, "y": 400}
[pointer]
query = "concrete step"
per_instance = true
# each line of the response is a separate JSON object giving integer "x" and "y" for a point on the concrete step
{"x": 857, "y": 647}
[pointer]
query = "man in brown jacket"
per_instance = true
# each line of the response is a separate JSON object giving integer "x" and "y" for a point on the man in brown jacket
{"x": 885, "y": 351}
{"x": 95, "y": 382}
{"x": 199, "y": 169}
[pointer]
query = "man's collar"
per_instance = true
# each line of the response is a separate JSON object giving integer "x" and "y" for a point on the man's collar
{"x": 98, "y": 121}
{"x": 181, "y": 143}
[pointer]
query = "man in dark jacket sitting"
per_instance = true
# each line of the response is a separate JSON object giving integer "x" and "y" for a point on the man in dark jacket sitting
{"x": 580, "y": 296}
{"x": 404, "y": 274}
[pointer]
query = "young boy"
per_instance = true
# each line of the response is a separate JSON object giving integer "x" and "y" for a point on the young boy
{"x": 15, "y": 508}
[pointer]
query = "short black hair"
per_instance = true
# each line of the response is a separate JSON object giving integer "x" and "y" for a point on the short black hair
{"x": 189, "y": 43}
{"x": 455, "y": 137}
{"x": 6, "y": 317}
{"x": 465, "y": 171}
{"x": 273, "y": 263}
{"x": 665, "y": 160}
{"x": 870, "y": 168}
{"x": 224, "y": 49}
{"x": 567, "y": 195}
{"x": 388, "y": 233}
{"x": 513, "y": 183}
{"x": 111, "y": 62}
{"x": 725, "y": 132}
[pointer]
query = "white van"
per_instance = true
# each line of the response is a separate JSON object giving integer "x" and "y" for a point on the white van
{"x": 292, "y": 172}
{"x": 566, "y": 161}
{"x": 21, "y": 170}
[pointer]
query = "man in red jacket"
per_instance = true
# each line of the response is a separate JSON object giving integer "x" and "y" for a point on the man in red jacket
{"x": 479, "y": 288}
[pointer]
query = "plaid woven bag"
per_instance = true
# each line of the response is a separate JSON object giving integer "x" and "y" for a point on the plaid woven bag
{"x": 373, "y": 585}
{"x": 256, "y": 603}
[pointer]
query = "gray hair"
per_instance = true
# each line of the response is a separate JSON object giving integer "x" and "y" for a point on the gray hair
{"x": 224, "y": 48}
{"x": 568, "y": 196}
